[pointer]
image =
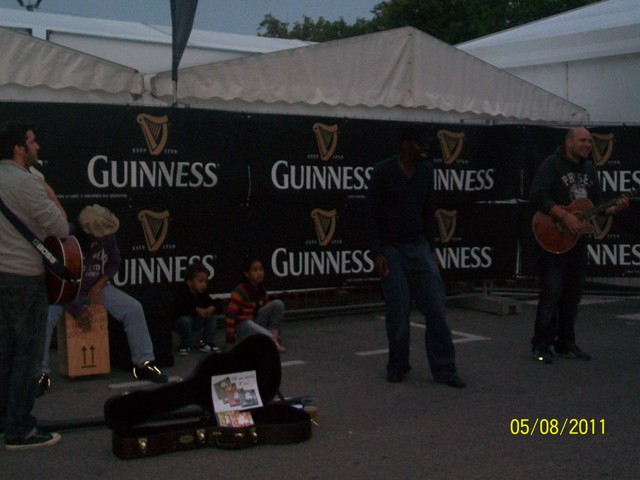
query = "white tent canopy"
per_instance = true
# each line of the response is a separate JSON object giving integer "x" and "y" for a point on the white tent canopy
{"x": 401, "y": 74}
{"x": 36, "y": 70}
{"x": 590, "y": 56}
{"x": 143, "y": 47}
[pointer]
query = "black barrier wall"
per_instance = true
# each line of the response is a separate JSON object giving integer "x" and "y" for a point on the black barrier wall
{"x": 210, "y": 186}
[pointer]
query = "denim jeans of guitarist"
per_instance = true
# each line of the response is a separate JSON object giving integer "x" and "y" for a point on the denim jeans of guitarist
{"x": 414, "y": 277}
{"x": 562, "y": 277}
{"x": 23, "y": 315}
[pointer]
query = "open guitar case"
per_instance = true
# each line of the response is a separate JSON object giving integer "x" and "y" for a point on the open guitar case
{"x": 180, "y": 416}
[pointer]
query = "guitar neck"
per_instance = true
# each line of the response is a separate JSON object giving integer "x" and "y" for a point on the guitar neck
{"x": 594, "y": 212}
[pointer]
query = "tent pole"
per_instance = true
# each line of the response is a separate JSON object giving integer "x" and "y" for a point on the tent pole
{"x": 175, "y": 92}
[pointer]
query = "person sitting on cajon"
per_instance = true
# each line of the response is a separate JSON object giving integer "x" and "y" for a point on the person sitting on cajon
{"x": 101, "y": 262}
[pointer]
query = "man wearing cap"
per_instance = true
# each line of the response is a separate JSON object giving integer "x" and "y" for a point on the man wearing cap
{"x": 101, "y": 262}
{"x": 400, "y": 224}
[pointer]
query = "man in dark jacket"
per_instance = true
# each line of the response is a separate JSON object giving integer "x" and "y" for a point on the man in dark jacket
{"x": 564, "y": 177}
{"x": 400, "y": 219}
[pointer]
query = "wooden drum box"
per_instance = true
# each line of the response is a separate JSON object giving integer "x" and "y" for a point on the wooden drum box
{"x": 84, "y": 352}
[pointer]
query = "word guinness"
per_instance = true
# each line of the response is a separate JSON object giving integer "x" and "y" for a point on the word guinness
{"x": 313, "y": 177}
{"x": 284, "y": 263}
{"x": 158, "y": 270}
{"x": 105, "y": 173}
{"x": 463, "y": 180}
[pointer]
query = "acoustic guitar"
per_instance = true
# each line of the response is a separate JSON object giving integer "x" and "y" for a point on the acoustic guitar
{"x": 553, "y": 236}
{"x": 64, "y": 290}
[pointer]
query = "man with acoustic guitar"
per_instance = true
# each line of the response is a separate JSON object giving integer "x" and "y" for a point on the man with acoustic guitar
{"x": 23, "y": 294}
{"x": 565, "y": 178}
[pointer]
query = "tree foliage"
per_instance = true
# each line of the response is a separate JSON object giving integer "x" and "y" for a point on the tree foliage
{"x": 453, "y": 21}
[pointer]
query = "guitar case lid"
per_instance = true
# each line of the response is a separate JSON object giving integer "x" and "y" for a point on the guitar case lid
{"x": 256, "y": 352}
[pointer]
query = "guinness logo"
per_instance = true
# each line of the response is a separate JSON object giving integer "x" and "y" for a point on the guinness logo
{"x": 327, "y": 138}
{"x": 155, "y": 226}
{"x": 601, "y": 226}
{"x": 601, "y": 148}
{"x": 451, "y": 145}
{"x": 325, "y": 224}
{"x": 446, "y": 220}
{"x": 155, "y": 130}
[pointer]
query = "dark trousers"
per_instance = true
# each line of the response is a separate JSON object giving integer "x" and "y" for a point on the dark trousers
{"x": 23, "y": 315}
{"x": 562, "y": 283}
{"x": 414, "y": 277}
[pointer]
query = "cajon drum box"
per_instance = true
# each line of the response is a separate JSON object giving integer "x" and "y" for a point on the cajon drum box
{"x": 84, "y": 352}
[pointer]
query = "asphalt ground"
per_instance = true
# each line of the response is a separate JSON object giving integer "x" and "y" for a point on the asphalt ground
{"x": 517, "y": 419}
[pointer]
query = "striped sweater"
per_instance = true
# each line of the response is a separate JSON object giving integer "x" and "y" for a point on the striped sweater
{"x": 244, "y": 303}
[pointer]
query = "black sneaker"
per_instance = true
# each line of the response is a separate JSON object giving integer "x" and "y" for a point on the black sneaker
{"x": 542, "y": 353}
{"x": 183, "y": 351}
{"x": 455, "y": 382}
{"x": 572, "y": 351}
{"x": 208, "y": 347}
{"x": 148, "y": 371}
{"x": 36, "y": 439}
{"x": 44, "y": 383}
{"x": 394, "y": 377}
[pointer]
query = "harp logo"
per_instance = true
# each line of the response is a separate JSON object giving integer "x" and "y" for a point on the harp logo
{"x": 155, "y": 226}
{"x": 601, "y": 148}
{"x": 601, "y": 226}
{"x": 327, "y": 139}
{"x": 446, "y": 220}
{"x": 324, "y": 222}
{"x": 155, "y": 130}
{"x": 451, "y": 144}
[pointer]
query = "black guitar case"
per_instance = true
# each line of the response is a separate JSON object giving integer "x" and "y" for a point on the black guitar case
{"x": 139, "y": 422}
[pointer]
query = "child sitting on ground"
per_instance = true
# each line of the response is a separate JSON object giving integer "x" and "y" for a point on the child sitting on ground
{"x": 250, "y": 310}
{"x": 194, "y": 310}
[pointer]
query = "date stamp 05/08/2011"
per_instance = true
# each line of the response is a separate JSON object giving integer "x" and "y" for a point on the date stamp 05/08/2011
{"x": 557, "y": 426}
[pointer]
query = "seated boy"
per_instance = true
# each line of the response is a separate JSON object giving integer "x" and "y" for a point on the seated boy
{"x": 194, "y": 310}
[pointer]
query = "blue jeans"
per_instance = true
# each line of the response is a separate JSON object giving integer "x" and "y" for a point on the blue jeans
{"x": 414, "y": 277}
{"x": 187, "y": 325}
{"x": 123, "y": 308}
{"x": 23, "y": 314}
{"x": 562, "y": 283}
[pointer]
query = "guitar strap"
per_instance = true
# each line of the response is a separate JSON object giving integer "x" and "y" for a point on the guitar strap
{"x": 50, "y": 260}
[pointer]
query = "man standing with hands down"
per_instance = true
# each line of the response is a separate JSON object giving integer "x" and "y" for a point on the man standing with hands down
{"x": 400, "y": 223}
{"x": 23, "y": 294}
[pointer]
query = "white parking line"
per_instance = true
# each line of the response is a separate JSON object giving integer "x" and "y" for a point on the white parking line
{"x": 631, "y": 316}
{"x": 583, "y": 301}
{"x": 466, "y": 337}
{"x": 292, "y": 363}
{"x": 372, "y": 352}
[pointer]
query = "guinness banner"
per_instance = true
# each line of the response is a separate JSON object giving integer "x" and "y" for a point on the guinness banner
{"x": 212, "y": 186}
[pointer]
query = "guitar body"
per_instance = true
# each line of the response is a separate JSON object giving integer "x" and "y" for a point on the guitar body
{"x": 552, "y": 235}
{"x": 69, "y": 253}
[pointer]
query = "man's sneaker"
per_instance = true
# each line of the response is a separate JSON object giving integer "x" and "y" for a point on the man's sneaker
{"x": 148, "y": 371}
{"x": 572, "y": 351}
{"x": 208, "y": 347}
{"x": 182, "y": 351}
{"x": 542, "y": 353}
{"x": 36, "y": 439}
{"x": 455, "y": 382}
{"x": 44, "y": 383}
